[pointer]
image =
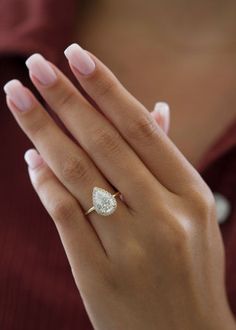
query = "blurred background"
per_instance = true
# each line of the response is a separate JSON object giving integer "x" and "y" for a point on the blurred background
{"x": 179, "y": 51}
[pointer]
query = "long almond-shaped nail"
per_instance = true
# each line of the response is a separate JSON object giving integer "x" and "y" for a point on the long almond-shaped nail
{"x": 41, "y": 69}
{"x": 163, "y": 109}
{"x": 80, "y": 59}
{"x": 33, "y": 159}
{"x": 18, "y": 95}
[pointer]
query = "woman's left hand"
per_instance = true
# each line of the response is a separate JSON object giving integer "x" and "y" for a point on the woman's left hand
{"x": 157, "y": 262}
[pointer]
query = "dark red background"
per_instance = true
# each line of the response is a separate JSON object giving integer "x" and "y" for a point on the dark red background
{"x": 37, "y": 290}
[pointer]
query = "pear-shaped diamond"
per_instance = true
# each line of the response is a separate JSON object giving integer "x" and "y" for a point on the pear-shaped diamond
{"x": 103, "y": 202}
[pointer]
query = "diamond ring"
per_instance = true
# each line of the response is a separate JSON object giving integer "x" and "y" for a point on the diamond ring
{"x": 104, "y": 203}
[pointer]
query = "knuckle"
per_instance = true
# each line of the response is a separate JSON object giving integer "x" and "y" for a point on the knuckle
{"x": 74, "y": 168}
{"x": 106, "y": 140}
{"x": 104, "y": 87}
{"x": 209, "y": 197}
{"x": 41, "y": 179}
{"x": 176, "y": 229}
{"x": 203, "y": 203}
{"x": 142, "y": 128}
{"x": 65, "y": 99}
{"x": 37, "y": 124}
{"x": 62, "y": 211}
{"x": 181, "y": 248}
{"x": 178, "y": 237}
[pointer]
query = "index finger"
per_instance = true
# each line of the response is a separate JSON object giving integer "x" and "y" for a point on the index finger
{"x": 133, "y": 121}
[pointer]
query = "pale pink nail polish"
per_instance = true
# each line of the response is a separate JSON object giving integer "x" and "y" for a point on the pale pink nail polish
{"x": 33, "y": 159}
{"x": 41, "y": 69}
{"x": 18, "y": 95}
{"x": 80, "y": 59}
{"x": 163, "y": 109}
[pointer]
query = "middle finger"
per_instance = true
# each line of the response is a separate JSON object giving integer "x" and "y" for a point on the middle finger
{"x": 114, "y": 157}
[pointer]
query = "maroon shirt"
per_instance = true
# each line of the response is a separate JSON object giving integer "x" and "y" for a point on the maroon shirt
{"x": 37, "y": 290}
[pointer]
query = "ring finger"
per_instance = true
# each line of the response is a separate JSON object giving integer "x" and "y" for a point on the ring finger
{"x": 97, "y": 136}
{"x": 68, "y": 161}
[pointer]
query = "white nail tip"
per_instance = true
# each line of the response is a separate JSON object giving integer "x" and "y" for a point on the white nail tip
{"x": 33, "y": 58}
{"x": 32, "y": 158}
{"x": 11, "y": 84}
{"x": 72, "y": 49}
{"x": 162, "y": 108}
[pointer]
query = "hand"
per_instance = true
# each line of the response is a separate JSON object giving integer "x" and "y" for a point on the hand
{"x": 157, "y": 262}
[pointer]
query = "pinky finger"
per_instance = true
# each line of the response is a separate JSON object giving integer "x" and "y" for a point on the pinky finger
{"x": 161, "y": 113}
{"x": 78, "y": 237}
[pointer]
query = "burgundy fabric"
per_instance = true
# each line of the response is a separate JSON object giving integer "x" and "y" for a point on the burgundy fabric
{"x": 218, "y": 168}
{"x": 37, "y": 290}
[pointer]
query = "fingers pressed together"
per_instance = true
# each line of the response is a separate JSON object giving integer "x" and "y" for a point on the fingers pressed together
{"x": 120, "y": 148}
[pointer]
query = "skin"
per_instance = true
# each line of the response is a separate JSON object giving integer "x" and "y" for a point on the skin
{"x": 185, "y": 53}
{"x": 158, "y": 261}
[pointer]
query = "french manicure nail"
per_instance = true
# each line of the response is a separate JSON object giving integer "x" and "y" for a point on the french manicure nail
{"x": 80, "y": 59}
{"x": 33, "y": 159}
{"x": 41, "y": 69}
{"x": 18, "y": 95}
{"x": 163, "y": 109}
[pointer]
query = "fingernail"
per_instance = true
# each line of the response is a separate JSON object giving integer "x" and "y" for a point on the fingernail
{"x": 163, "y": 109}
{"x": 41, "y": 69}
{"x": 33, "y": 159}
{"x": 80, "y": 59}
{"x": 17, "y": 93}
